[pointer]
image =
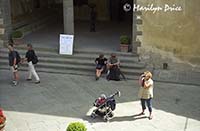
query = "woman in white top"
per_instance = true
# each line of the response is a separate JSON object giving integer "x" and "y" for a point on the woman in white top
{"x": 146, "y": 93}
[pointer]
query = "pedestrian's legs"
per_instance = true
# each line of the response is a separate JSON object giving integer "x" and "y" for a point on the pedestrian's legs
{"x": 15, "y": 74}
{"x": 33, "y": 71}
{"x": 100, "y": 71}
{"x": 29, "y": 71}
{"x": 97, "y": 73}
{"x": 149, "y": 105}
{"x": 143, "y": 105}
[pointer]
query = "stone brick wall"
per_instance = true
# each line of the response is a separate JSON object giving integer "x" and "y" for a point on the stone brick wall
{"x": 2, "y": 30}
{"x": 5, "y": 21}
{"x": 171, "y": 35}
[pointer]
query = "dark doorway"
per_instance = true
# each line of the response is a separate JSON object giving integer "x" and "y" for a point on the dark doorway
{"x": 111, "y": 22}
{"x": 117, "y": 12}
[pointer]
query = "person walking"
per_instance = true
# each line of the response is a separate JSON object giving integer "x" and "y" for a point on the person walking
{"x": 14, "y": 60}
{"x": 146, "y": 93}
{"x": 32, "y": 59}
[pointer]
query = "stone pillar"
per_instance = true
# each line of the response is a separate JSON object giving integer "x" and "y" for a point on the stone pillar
{"x": 5, "y": 15}
{"x": 136, "y": 22}
{"x": 134, "y": 30}
{"x": 68, "y": 16}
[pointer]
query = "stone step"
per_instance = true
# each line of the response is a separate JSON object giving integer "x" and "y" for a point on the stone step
{"x": 80, "y": 62}
{"x": 74, "y": 72}
{"x": 78, "y": 56}
{"x": 127, "y": 54}
{"x": 75, "y": 67}
{"x": 77, "y": 51}
{"x": 39, "y": 48}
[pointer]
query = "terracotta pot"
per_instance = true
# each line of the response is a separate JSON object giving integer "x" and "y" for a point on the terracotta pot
{"x": 18, "y": 41}
{"x": 124, "y": 48}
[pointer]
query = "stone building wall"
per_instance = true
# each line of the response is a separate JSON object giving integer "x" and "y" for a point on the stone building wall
{"x": 5, "y": 22}
{"x": 22, "y": 9}
{"x": 172, "y": 34}
{"x": 1, "y": 25}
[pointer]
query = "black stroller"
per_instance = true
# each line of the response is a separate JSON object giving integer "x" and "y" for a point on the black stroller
{"x": 105, "y": 106}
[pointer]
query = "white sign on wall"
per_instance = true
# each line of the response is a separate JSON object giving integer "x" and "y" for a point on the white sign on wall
{"x": 66, "y": 44}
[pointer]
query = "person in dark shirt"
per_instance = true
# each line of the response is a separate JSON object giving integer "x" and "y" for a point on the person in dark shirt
{"x": 101, "y": 62}
{"x": 13, "y": 63}
{"x": 30, "y": 56}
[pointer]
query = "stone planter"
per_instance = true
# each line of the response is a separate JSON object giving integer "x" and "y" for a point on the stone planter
{"x": 17, "y": 37}
{"x": 124, "y": 47}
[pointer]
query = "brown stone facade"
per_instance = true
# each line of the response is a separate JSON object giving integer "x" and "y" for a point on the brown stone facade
{"x": 169, "y": 35}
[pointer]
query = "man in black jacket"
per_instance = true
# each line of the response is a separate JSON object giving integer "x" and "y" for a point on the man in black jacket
{"x": 31, "y": 58}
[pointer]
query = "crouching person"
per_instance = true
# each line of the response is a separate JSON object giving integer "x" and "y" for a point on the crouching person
{"x": 113, "y": 68}
{"x": 32, "y": 59}
{"x": 101, "y": 62}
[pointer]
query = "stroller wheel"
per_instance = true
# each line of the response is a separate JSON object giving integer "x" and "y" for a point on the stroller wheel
{"x": 111, "y": 115}
{"x": 106, "y": 118}
{"x": 93, "y": 116}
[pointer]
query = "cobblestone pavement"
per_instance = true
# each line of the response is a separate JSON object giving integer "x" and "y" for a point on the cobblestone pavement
{"x": 61, "y": 99}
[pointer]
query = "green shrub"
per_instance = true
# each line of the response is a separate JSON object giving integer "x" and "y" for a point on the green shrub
{"x": 17, "y": 34}
{"x": 76, "y": 126}
{"x": 124, "y": 39}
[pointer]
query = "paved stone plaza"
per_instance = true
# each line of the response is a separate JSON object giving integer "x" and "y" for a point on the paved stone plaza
{"x": 61, "y": 99}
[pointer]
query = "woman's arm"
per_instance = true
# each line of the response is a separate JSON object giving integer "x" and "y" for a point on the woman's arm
{"x": 147, "y": 85}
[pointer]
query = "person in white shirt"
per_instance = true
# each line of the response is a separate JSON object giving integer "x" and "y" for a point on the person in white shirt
{"x": 146, "y": 93}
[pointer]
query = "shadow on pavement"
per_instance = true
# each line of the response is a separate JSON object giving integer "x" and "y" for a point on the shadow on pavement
{"x": 115, "y": 119}
{"x": 128, "y": 118}
{"x": 72, "y": 96}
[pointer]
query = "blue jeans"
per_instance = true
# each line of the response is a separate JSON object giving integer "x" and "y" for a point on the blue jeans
{"x": 149, "y": 104}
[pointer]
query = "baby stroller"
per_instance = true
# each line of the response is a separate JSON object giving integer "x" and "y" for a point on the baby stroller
{"x": 105, "y": 106}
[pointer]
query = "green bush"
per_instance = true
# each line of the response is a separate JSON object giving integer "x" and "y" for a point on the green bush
{"x": 124, "y": 39}
{"x": 17, "y": 34}
{"x": 76, "y": 126}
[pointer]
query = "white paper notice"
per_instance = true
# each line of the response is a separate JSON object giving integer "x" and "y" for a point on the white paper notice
{"x": 66, "y": 44}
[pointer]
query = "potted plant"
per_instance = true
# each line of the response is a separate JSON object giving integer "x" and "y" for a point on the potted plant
{"x": 2, "y": 120}
{"x": 76, "y": 126}
{"x": 124, "y": 43}
{"x": 17, "y": 37}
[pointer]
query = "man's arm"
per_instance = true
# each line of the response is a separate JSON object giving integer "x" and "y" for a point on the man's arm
{"x": 26, "y": 57}
{"x": 109, "y": 62}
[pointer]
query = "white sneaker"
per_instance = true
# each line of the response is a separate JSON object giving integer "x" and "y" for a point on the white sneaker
{"x": 14, "y": 83}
